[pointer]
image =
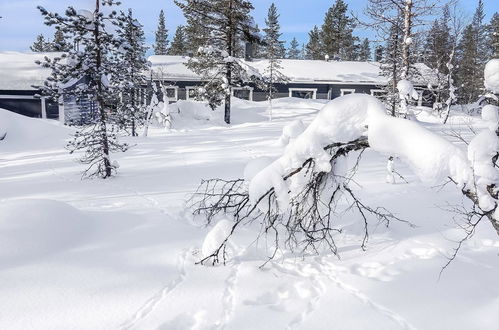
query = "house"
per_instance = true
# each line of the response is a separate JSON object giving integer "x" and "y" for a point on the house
{"x": 314, "y": 79}
{"x": 18, "y": 74}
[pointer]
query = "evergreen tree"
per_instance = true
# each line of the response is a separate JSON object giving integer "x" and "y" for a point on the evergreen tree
{"x": 91, "y": 66}
{"x": 273, "y": 51}
{"x": 60, "y": 44}
{"x": 272, "y": 46}
{"x": 493, "y": 36}
{"x": 472, "y": 57}
{"x": 294, "y": 52}
{"x": 161, "y": 35}
{"x": 179, "y": 43}
{"x": 313, "y": 49}
{"x": 41, "y": 45}
{"x": 365, "y": 51}
{"x": 336, "y": 33}
{"x": 131, "y": 111}
{"x": 229, "y": 23}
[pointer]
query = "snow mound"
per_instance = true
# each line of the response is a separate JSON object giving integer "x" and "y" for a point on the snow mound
{"x": 31, "y": 228}
{"x": 490, "y": 114}
{"x": 491, "y": 75}
{"x": 23, "y": 132}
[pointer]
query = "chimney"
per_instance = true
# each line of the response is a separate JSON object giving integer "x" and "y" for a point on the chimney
{"x": 248, "y": 51}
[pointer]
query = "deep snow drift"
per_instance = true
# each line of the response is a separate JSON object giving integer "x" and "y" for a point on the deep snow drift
{"x": 121, "y": 253}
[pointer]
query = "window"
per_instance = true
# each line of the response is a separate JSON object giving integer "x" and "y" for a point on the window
{"x": 346, "y": 91}
{"x": 245, "y": 93}
{"x": 190, "y": 93}
{"x": 303, "y": 93}
{"x": 172, "y": 93}
{"x": 378, "y": 92}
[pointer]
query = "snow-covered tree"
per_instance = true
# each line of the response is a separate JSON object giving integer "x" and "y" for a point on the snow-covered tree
{"x": 313, "y": 49}
{"x": 161, "y": 36}
{"x": 229, "y": 23}
{"x": 336, "y": 33}
{"x": 131, "y": 112}
{"x": 294, "y": 51}
{"x": 84, "y": 74}
{"x": 365, "y": 51}
{"x": 179, "y": 43}
{"x": 41, "y": 44}
{"x": 272, "y": 45}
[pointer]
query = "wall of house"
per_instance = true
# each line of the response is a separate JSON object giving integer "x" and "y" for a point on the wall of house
{"x": 24, "y": 103}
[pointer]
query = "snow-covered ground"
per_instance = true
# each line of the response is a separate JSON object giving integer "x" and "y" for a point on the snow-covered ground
{"x": 121, "y": 253}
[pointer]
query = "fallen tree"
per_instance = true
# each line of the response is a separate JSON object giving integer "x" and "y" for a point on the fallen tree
{"x": 296, "y": 197}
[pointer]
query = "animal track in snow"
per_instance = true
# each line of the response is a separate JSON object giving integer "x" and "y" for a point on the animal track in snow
{"x": 154, "y": 301}
{"x": 374, "y": 270}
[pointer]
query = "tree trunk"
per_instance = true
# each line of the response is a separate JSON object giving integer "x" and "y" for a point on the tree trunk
{"x": 100, "y": 102}
{"x": 407, "y": 35}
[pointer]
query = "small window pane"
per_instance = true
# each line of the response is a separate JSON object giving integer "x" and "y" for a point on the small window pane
{"x": 242, "y": 94}
{"x": 303, "y": 94}
{"x": 170, "y": 93}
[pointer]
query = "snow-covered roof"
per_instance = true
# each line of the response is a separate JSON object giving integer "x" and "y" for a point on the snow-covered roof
{"x": 298, "y": 71}
{"x": 18, "y": 71}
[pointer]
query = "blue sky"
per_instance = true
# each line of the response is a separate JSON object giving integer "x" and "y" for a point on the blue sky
{"x": 21, "y": 20}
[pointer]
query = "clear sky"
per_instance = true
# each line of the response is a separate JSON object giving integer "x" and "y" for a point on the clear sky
{"x": 21, "y": 21}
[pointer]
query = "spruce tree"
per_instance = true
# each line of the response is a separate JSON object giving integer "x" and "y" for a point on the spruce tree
{"x": 229, "y": 23}
{"x": 161, "y": 36}
{"x": 313, "y": 49}
{"x": 41, "y": 45}
{"x": 273, "y": 47}
{"x": 273, "y": 51}
{"x": 493, "y": 36}
{"x": 131, "y": 111}
{"x": 294, "y": 51}
{"x": 91, "y": 66}
{"x": 336, "y": 33}
{"x": 364, "y": 51}
{"x": 59, "y": 44}
{"x": 472, "y": 56}
{"x": 179, "y": 43}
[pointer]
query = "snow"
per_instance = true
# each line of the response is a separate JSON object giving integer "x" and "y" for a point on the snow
{"x": 216, "y": 236}
{"x": 23, "y": 132}
{"x": 491, "y": 75}
{"x": 18, "y": 71}
{"x": 298, "y": 71}
{"x": 129, "y": 260}
{"x": 406, "y": 89}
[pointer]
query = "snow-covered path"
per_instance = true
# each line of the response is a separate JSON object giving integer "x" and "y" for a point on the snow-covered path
{"x": 130, "y": 264}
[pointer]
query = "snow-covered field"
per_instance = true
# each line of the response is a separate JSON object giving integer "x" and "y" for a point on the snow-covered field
{"x": 121, "y": 253}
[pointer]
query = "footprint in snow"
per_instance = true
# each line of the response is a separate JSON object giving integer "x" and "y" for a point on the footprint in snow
{"x": 375, "y": 270}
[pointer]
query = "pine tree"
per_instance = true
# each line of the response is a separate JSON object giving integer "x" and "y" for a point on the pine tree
{"x": 313, "y": 49}
{"x": 179, "y": 43}
{"x": 336, "y": 33}
{"x": 59, "y": 44}
{"x": 493, "y": 36}
{"x": 365, "y": 51}
{"x": 272, "y": 45}
{"x": 294, "y": 52}
{"x": 131, "y": 111}
{"x": 41, "y": 45}
{"x": 90, "y": 65}
{"x": 161, "y": 35}
{"x": 229, "y": 23}
{"x": 197, "y": 35}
